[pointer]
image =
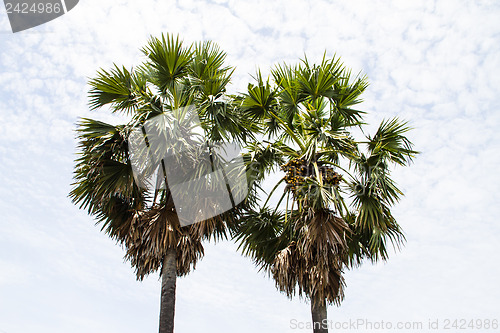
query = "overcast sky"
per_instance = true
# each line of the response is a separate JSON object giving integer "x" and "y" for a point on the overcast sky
{"x": 434, "y": 63}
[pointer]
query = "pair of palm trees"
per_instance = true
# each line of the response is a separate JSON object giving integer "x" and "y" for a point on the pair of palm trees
{"x": 333, "y": 210}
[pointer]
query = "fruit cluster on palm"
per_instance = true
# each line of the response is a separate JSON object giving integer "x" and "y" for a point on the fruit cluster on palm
{"x": 298, "y": 169}
{"x": 336, "y": 194}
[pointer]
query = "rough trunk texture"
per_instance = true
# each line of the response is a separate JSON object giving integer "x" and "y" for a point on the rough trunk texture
{"x": 168, "y": 282}
{"x": 319, "y": 316}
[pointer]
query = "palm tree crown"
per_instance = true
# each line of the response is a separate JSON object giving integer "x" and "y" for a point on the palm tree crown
{"x": 144, "y": 218}
{"x": 336, "y": 191}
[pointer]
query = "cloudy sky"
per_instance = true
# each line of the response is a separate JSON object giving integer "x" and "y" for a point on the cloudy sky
{"x": 434, "y": 63}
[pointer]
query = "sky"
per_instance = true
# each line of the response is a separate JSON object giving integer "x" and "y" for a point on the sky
{"x": 433, "y": 63}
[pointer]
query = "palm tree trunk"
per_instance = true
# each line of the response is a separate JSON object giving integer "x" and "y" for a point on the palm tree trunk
{"x": 168, "y": 282}
{"x": 319, "y": 315}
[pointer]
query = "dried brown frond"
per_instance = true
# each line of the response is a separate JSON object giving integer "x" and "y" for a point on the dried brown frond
{"x": 149, "y": 234}
{"x": 313, "y": 265}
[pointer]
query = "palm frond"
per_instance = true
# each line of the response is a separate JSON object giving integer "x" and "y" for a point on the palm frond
{"x": 118, "y": 87}
{"x": 389, "y": 141}
{"x": 168, "y": 60}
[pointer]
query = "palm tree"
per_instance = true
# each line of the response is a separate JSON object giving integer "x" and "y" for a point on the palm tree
{"x": 144, "y": 218}
{"x": 336, "y": 192}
